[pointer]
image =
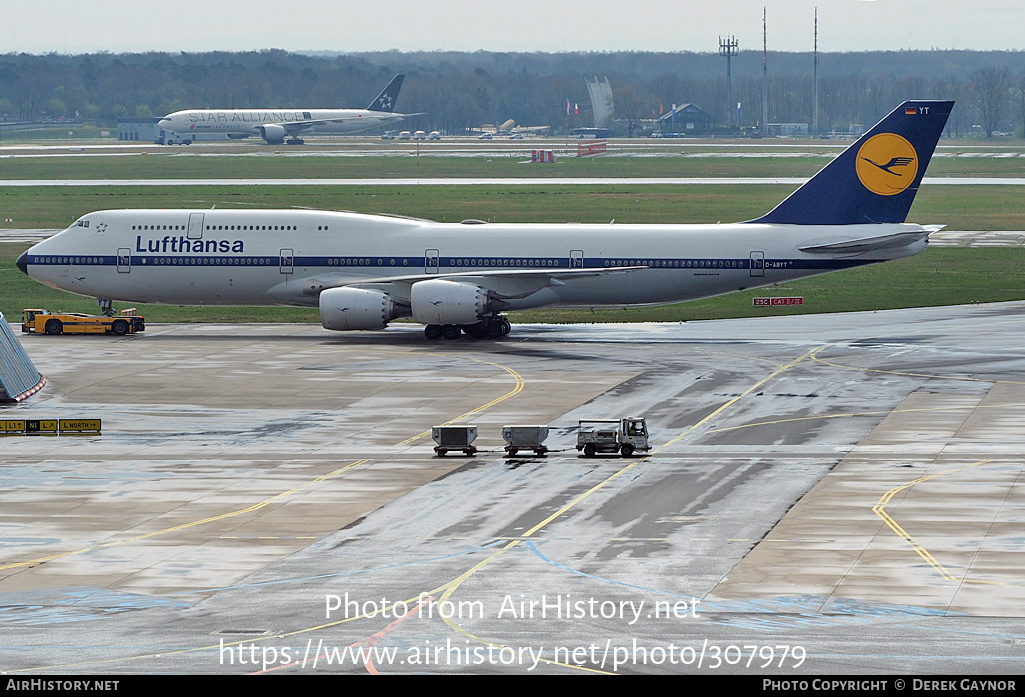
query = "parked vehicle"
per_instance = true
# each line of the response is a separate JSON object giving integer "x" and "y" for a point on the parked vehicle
{"x": 169, "y": 138}
{"x": 453, "y": 438}
{"x": 525, "y": 437}
{"x": 38, "y": 321}
{"x": 625, "y": 436}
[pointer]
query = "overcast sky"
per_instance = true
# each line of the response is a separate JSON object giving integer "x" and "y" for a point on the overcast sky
{"x": 85, "y": 26}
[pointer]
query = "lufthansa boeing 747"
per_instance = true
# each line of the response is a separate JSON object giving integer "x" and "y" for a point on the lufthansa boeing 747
{"x": 275, "y": 125}
{"x": 365, "y": 270}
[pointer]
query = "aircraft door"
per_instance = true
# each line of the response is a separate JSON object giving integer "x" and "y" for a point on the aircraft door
{"x": 431, "y": 261}
{"x": 124, "y": 260}
{"x": 286, "y": 261}
{"x": 576, "y": 258}
{"x": 196, "y": 226}
{"x": 758, "y": 264}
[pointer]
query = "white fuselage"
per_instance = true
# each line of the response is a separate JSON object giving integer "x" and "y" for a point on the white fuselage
{"x": 242, "y": 122}
{"x": 286, "y": 257}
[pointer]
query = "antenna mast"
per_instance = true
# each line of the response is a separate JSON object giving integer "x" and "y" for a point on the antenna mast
{"x": 765, "y": 75}
{"x": 728, "y": 48}
{"x": 815, "y": 79}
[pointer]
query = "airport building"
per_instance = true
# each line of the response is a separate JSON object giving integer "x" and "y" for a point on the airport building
{"x": 689, "y": 119}
{"x": 144, "y": 129}
{"x": 138, "y": 128}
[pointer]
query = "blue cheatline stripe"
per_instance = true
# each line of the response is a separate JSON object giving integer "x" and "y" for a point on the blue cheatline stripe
{"x": 449, "y": 264}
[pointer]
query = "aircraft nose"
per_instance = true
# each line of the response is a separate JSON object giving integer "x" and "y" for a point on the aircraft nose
{"x": 23, "y": 262}
{"x": 165, "y": 124}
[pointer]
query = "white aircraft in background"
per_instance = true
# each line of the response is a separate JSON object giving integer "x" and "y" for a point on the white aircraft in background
{"x": 366, "y": 270}
{"x": 275, "y": 125}
{"x": 509, "y": 129}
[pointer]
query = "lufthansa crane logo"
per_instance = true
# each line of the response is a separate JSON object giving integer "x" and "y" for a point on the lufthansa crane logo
{"x": 887, "y": 164}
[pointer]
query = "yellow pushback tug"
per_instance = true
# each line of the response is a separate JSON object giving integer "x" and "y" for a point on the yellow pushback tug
{"x": 43, "y": 322}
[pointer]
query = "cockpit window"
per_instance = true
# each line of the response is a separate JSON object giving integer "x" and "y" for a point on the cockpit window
{"x": 82, "y": 223}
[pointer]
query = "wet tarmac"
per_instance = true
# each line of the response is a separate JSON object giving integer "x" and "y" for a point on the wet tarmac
{"x": 826, "y": 494}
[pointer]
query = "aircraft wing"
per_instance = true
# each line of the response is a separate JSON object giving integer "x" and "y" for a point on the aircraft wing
{"x": 866, "y": 244}
{"x": 295, "y": 127}
{"x": 508, "y": 284}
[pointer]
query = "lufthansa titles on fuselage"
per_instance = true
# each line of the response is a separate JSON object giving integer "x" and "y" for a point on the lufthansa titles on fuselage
{"x": 181, "y": 244}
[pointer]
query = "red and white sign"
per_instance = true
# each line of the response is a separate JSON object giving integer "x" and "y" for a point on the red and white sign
{"x": 596, "y": 147}
{"x": 768, "y": 302}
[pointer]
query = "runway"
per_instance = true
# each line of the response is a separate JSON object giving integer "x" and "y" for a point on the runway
{"x": 471, "y": 146}
{"x": 828, "y": 494}
{"x": 482, "y": 181}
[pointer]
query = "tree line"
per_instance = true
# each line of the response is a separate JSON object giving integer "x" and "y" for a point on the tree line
{"x": 461, "y": 91}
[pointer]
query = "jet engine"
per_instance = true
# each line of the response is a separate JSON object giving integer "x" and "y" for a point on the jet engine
{"x": 344, "y": 309}
{"x": 273, "y": 134}
{"x": 439, "y": 301}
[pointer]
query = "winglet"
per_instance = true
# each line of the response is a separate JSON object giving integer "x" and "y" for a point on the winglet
{"x": 876, "y": 179}
{"x": 386, "y": 100}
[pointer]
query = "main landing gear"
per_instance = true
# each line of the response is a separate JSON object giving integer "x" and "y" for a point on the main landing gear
{"x": 487, "y": 328}
{"x": 295, "y": 141}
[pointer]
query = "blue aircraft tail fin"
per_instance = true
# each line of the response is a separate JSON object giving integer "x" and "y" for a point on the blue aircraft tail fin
{"x": 876, "y": 179}
{"x": 389, "y": 95}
